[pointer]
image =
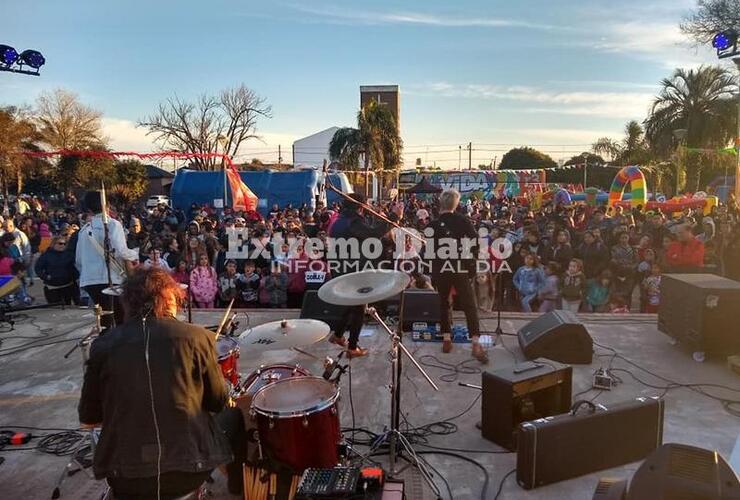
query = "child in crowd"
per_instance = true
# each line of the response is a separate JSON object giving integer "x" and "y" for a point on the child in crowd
{"x": 249, "y": 285}
{"x": 276, "y": 285}
{"x": 549, "y": 294}
{"x": 181, "y": 274}
{"x": 528, "y": 280}
{"x": 574, "y": 286}
{"x": 264, "y": 294}
{"x": 203, "y": 283}
{"x": 651, "y": 287}
{"x": 228, "y": 283}
{"x": 155, "y": 260}
{"x": 597, "y": 294}
{"x": 21, "y": 297}
{"x": 617, "y": 305}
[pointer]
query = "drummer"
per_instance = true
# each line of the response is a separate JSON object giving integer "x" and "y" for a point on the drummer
{"x": 152, "y": 384}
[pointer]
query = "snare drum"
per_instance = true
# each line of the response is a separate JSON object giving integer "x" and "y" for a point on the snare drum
{"x": 228, "y": 354}
{"x": 298, "y": 422}
{"x": 267, "y": 374}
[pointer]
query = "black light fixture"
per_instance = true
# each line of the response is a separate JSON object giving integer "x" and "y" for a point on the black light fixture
{"x": 725, "y": 43}
{"x": 13, "y": 62}
{"x": 32, "y": 58}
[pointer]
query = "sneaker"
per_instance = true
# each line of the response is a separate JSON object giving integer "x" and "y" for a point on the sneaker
{"x": 447, "y": 346}
{"x": 340, "y": 341}
{"x": 357, "y": 352}
{"x": 480, "y": 354}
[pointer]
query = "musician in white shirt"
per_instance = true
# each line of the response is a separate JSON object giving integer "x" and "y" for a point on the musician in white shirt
{"x": 90, "y": 257}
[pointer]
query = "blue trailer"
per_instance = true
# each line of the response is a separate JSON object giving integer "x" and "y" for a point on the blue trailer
{"x": 294, "y": 187}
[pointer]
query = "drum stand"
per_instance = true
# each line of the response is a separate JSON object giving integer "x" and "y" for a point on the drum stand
{"x": 393, "y": 436}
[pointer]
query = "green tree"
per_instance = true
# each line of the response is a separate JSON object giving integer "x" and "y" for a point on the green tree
{"x": 130, "y": 181}
{"x": 699, "y": 101}
{"x": 710, "y": 17}
{"x": 75, "y": 172}
{"x": 597, "y": 176}
{"x": 376, "y": 139}
{"x": 524, "y": 158}
{"x": 17, "y": 134}
{"x": 632, "y": 149}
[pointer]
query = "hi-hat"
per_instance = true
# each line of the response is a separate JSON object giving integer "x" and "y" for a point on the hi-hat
{"x": 363, "y": 287}
{"x": 115, "y": 290}
{"x": 284, "y": 334}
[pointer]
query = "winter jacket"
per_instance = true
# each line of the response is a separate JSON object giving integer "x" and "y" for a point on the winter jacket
{"x": 529, "y": 280}
{"x": 277, "y": 287}
{"x": 689, "y": 254}
{"x": 574, "y": 286}
{"x": 595, "y": 258}
{"x": 56, "y": 268}
{"x": 550, "y": 290}
{"x": 203, "y": 284}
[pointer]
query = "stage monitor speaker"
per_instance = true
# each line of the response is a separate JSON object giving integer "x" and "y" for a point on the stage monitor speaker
{"x": 420, "y": 306}
{"x": 525, "y": 391}
{"x": 315, "y": 308}
{"x": 610, "y": 488}
{"x": 680, "y": 471}
{"x": 700, "y": 310}
{"x": 587, "y": 440}
{"x": 557, "y": 335}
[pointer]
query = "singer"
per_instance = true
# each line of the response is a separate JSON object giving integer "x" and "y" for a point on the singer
{"x": 90, "y": 258}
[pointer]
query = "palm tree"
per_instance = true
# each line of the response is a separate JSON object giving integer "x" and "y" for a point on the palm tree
{"x": 376, "y": 139}
{"x": 699, "y": 101}
{"x": 631, "y": 150}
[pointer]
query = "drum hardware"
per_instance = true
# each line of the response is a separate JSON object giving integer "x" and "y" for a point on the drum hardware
{"x": 361, "y": 289}
{"x": 85, "y": 342}
{"x": 283, "y": 334}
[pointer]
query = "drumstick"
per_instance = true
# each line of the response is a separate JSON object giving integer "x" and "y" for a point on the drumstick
{"x": 293, "y": 488}
{"x": 223, "y": 320}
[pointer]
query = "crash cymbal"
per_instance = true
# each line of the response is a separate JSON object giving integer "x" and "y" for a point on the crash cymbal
{"x": 115, "y": 290}
{"x": 284, "y": 334}
{"x": 363, "y": 287}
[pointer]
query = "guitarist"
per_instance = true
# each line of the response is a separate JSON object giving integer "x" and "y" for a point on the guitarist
{"x": 90, "y": 258}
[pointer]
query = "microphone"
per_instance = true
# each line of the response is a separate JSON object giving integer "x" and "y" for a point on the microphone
{"x": 329, "y": 367}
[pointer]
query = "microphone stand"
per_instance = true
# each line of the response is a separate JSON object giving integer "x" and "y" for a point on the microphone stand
{"x": 106, "y": 244}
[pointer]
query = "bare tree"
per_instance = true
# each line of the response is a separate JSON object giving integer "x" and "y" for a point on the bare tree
{"x": 212, "y": 124}
{"x": 65, "y": 123}
{"x": 711, "y": 17}
{"x": 17, "y": 134}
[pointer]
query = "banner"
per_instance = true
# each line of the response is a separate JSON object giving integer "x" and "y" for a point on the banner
{"x": 242, "y": 198}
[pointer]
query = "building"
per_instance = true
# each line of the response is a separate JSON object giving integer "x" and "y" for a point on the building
{"x": 314, "y": 149}
{"x": 386, "y": 94}
{"x": 160, "y": 180}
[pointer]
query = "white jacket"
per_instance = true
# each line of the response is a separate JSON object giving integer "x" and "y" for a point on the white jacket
{"x": 90, "y": 258}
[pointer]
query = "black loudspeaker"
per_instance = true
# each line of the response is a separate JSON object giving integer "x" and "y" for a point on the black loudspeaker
{"x": 557, "y": 335}
{"x": 525, "y": 391}
{"x": 420, "y": 306}
{"x": 610, "y": 488}
{"x": 315, "y": 308}
{"x": 679, "y": 471}
{"x": 700, "y": 310}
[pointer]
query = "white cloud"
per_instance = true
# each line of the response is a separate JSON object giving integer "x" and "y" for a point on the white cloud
{"x": 124, "y": 135}
{"x": 356, "y": 17}
{"x": 608, "y": 104}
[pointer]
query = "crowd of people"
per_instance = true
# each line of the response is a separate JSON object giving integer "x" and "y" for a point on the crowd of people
{"x": 580, "y": 258}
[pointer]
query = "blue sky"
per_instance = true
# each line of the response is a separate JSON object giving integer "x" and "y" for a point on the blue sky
{"x": 540, "y": 72}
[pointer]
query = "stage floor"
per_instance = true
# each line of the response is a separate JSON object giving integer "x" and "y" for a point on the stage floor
{"x": 39, "y": 388}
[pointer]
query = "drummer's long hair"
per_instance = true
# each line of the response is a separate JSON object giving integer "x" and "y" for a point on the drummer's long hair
{"x": 146, "y": 293}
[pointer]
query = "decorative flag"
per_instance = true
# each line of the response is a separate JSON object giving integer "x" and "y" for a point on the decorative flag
{"x": 242, "y": 198}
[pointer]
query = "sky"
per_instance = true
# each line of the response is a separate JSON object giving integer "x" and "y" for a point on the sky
{"x": 554, "y": 74}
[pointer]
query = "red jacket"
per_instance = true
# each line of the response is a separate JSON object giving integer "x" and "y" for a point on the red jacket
{"x": 685, "y": 254}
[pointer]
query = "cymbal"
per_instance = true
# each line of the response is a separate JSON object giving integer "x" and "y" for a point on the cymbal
{"x": 363, "y": 287}
{"x": 115, "y": 290}
{"x": 284, "y": 334}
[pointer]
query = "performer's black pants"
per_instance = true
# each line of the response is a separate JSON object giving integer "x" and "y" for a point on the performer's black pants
{"x": 351, "y": 320}
{"x": 461, "y": 282}
{"x": 108, "y": 303}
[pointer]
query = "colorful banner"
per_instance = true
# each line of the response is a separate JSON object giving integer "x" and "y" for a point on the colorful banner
{"x": 242, "y": 198}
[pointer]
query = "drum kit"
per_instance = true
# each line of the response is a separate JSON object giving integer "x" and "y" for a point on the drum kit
{"x": 295, "y": 413}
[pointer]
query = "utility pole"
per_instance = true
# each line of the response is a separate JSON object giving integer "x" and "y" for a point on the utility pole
{"x": 459, "y": 159}
{"x": 280, "y": 154}
{"x": 585, "y": 171}
{"x": 293, "y": 151}
{"x": 470, "y": 156}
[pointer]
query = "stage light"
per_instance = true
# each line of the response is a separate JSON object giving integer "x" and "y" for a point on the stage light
{"x": 724, "y": 40}
{"x": 32, "y": 58}
{"x": 8, "y": 55}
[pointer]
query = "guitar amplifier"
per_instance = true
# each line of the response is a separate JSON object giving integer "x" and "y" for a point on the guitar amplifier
{"x": 565, "y": 446}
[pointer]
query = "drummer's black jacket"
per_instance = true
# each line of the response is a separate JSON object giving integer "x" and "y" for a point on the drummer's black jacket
{"x": 187, "y": 384}
{"x": 350, "y": 225}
